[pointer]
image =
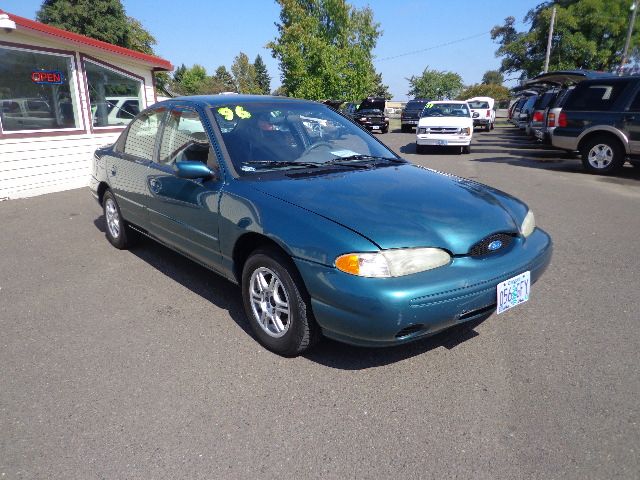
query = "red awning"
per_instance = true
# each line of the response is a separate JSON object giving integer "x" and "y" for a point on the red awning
{"x": 156, "y": 62}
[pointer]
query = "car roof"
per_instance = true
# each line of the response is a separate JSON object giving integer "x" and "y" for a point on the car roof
{"x": 234, "y": 99}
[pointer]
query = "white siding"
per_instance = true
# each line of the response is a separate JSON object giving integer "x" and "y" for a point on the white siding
{"x": 33, "y": 166}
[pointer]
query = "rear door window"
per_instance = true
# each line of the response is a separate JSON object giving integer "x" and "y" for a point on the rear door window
{"x": 141, "y": 139}
{"x": 599, "y": 97}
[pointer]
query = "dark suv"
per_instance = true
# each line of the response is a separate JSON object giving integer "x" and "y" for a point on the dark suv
{"x": 411, "y": 113}
{"x": 601, "y": 119}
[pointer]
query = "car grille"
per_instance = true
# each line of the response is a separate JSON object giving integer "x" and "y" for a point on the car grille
{"x": 482, "y": 247}
{"x": 441, "y": 130}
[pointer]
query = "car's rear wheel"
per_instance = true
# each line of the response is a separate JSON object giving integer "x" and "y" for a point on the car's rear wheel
{"x": 118, "y": 232}
{"x": 602, "y": 154}
{"x": 487, "y": 127}
{"x": 276, "y": 303}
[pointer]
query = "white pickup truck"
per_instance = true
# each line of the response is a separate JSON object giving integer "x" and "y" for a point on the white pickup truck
{"x": 482, "y": 112}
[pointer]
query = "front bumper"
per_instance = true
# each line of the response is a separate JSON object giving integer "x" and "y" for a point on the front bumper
{"x": 93, "y": 187}
{"x": 439, "y": 139}
{"x": 378, "y": 312}
{"x": 377, "y": 126}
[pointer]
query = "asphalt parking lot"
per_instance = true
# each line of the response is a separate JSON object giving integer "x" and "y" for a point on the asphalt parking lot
{"x": 139, "y": 364}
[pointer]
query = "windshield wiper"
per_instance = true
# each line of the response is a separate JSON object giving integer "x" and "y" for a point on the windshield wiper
{"x": 359, "y": 157}
{"x": 283, "y": 163}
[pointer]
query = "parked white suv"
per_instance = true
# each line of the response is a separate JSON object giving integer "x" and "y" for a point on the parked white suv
{"x": 446, "y": 123}
{"x": 482, "y": 112}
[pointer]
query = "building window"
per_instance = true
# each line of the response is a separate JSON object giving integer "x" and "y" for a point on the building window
{"x": 115, "y": 98}
{"x": 37, "y": 91}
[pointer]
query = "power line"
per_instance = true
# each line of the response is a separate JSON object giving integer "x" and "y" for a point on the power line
{"x": 433, "y": 47}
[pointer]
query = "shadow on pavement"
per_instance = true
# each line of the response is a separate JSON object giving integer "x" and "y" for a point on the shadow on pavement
{"x": 226, "y": 295}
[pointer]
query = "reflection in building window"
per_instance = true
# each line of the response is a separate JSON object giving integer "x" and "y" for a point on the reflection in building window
{"x": 36, "y": 91}
{"x": 114, "y": 97}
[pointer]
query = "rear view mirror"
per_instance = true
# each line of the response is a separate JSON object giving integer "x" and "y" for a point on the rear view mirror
{"x": 192, "y": 170}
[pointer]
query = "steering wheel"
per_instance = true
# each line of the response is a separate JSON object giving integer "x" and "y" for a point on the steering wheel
{"x": 310, "y": 148}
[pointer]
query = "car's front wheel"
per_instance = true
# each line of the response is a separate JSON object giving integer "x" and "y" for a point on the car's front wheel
{"x": 466, "y": 149}
{"x": 276, "y": 303}
{"x": 118, "y": 232}
{"x": 602, "y": 154}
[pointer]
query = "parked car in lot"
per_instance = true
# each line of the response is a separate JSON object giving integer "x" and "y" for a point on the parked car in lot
{"x": 601, "y": 119}
{"x": 553, "y": 88}
{"x": 446, "y": 123}
{"x": 482, "y": 112}
{"x": 517, "y": 108}
{"x": 526, "y": 112}
{"x": 326, "y": 234}
{"x": 411, "y": 114}
{"x": 370, "y": 114}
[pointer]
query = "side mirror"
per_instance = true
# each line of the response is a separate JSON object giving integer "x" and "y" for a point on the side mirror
{"x": 192, "y": 170}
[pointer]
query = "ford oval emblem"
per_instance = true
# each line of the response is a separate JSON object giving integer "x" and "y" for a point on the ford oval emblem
{"x": 495, "y": 245}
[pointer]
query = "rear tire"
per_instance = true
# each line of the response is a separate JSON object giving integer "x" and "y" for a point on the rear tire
{"x": 602, "y": 155}
{"x": 487, "y": 127}
{"x": 277, "y": 304}
{"x": 119, "y": 234}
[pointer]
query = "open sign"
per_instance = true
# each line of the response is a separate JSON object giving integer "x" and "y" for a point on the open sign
{"x": 47, "y": 77}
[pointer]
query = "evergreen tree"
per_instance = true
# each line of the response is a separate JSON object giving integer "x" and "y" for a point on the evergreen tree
{"x": 244, "y": 74}
{"x": 262, "y": 76}
{"x": 226, "y": 79}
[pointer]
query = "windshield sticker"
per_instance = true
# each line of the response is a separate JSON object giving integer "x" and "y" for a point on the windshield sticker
{"x": 429, "y": 105}
{"x": 246, "y": 168}
{"x": 344, "y": 153}
{"x": 242, "y": 113}
{"x": 226, "y": 113}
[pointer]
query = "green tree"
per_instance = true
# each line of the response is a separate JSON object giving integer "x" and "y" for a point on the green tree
{"x": 497, "y": 92}
{"x": 195, "y": 81}
{"x": 103, "y": 20}
{"x": 435, "y": 85}
{"x": 493, "y": 77}
{"x": 588, "y": 34}
{"x": 244, "y": 74}
{"x": 380, "y": 89}
{"x": 262, "y": 75}
{"x": 324, "y": 49}
{"x": 225, "y": 78}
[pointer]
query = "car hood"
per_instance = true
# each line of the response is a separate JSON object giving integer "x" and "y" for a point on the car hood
{"x": 445, "y": 122}
{"x": 403, "y": 206}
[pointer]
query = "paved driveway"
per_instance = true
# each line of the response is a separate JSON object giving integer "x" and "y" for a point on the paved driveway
{"x": 139, "y": 364}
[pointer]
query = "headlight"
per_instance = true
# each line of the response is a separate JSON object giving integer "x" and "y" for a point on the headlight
{"x": 528, "y": 224}
{"x": 392, "y": 263}
{"x": 422, "y": 130}
{"x": 363, "y": 119}
{"x": 464, "y": 131}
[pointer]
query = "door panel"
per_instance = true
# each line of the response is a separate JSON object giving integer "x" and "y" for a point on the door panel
{"x": 127, "y": 171}
{"x": 184, "y": 212}
{"x": 632, "y": 124}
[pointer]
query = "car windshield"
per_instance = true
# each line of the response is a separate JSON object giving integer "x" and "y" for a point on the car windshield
{"x": 414, "y": 105}
{"x": 445, "y": 110}
{"x": 370, "y": 111}
{"x": 478, "y": 104}
{"x": 288, "y": 134}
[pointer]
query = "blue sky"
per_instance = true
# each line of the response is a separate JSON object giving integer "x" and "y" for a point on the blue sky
{"x": 213, "y": 32}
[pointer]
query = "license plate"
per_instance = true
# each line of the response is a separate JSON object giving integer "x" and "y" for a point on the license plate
{"x": 375, "y": 128}
{"x": 513, "y": 292}
{"x": 443, "y": 142}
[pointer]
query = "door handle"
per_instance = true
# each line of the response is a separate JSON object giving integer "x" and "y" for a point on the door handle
{"x": 630, "y": 117}
{"x": 155, "y": 185}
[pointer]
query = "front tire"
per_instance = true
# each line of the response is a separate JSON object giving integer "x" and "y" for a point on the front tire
{"x": 118, "y": 232}
{"x": 276, "y": 303}
{"x": 602, "y": 155}
{"x": 466, "y": 149}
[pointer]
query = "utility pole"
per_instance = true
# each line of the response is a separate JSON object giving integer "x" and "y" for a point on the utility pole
{"x": 546, "y": 58}
{"x": 634, "y": 9}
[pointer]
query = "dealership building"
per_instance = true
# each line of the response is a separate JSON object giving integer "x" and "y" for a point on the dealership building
{"x": 61, "y": 96}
